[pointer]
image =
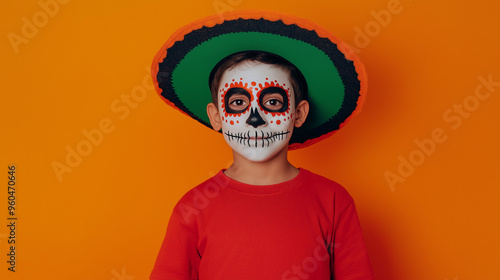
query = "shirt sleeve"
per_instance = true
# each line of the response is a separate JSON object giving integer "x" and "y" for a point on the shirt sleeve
{"x": 178, "y": 258}
{"x": 350, "y": 259}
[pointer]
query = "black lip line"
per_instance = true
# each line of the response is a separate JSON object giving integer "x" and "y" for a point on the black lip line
{"x": 247, "y": 135}
{"x": 244, "y": 138}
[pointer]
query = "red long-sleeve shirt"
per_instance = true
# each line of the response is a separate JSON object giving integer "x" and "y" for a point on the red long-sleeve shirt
{"x": 305, "y": 228}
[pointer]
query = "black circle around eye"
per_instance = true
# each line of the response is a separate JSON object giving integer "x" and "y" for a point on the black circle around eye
{"x": 231, "y": 92}
{"x": 269, "y": 90}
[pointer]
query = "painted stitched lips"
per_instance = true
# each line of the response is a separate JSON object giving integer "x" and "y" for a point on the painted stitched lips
{"x": 257, "y": 139}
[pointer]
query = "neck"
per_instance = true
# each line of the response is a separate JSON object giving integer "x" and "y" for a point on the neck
{"x": 272, "y": 171}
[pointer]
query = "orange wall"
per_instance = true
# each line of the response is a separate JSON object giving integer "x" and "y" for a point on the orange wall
{"x": 71, "y": 74}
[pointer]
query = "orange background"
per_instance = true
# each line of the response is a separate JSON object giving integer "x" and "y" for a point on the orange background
{"x": 107, "y": 217}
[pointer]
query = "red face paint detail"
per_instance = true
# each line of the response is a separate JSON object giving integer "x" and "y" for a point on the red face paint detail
{"x": 272, "y": 84}
{"x": 237, "y": 121}
{"x": 240, "y": 85}
{"x": 222, "y": 118}
{"x": 231, "y": 122}
{"x": 250, "y": 90}
{"x": 258, "y": 103}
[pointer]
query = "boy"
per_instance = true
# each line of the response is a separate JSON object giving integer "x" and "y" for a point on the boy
{"x": 262, "y": 218}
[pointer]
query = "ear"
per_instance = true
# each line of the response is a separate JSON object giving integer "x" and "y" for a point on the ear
{"x": 214, "y": 116}
{"x": 301, "y": 113}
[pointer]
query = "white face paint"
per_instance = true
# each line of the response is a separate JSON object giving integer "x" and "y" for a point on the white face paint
{"x": 257, "y": 108}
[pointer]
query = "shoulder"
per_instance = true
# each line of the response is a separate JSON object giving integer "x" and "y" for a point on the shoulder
{"x": 327, "y": 187}
{"x": 205, "y": 188}
{"x": 209, "y": 188}
{"x": 198, "y": 198}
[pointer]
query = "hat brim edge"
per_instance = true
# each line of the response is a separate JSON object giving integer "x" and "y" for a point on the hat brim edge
{"x": 213, "y": 20}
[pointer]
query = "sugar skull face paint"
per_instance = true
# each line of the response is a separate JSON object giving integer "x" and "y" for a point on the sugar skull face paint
{"x": 256, "y": 104}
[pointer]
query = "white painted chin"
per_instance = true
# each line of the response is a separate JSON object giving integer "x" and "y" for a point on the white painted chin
{"x": 257, "y": 146}
{"x": 258, "y": 154}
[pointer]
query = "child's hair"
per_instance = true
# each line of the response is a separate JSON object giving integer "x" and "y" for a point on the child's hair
{"x": 297, "y": 80}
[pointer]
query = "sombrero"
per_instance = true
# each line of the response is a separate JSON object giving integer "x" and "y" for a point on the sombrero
{"x": 336, "y": 79}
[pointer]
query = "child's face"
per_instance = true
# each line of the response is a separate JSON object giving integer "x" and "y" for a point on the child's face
{"x": 257, "y": 107}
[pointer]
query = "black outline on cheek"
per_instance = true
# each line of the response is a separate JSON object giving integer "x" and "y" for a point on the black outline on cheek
{"x": 232, "y": 91}
{"x": 279, "y": 90}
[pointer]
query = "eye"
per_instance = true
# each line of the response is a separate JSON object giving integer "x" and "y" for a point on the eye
{"x": 274, "y": 99}
{"x": 237, "y": 100}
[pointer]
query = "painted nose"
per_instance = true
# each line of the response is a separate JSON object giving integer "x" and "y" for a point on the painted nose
{"x": 255, "y": 119}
